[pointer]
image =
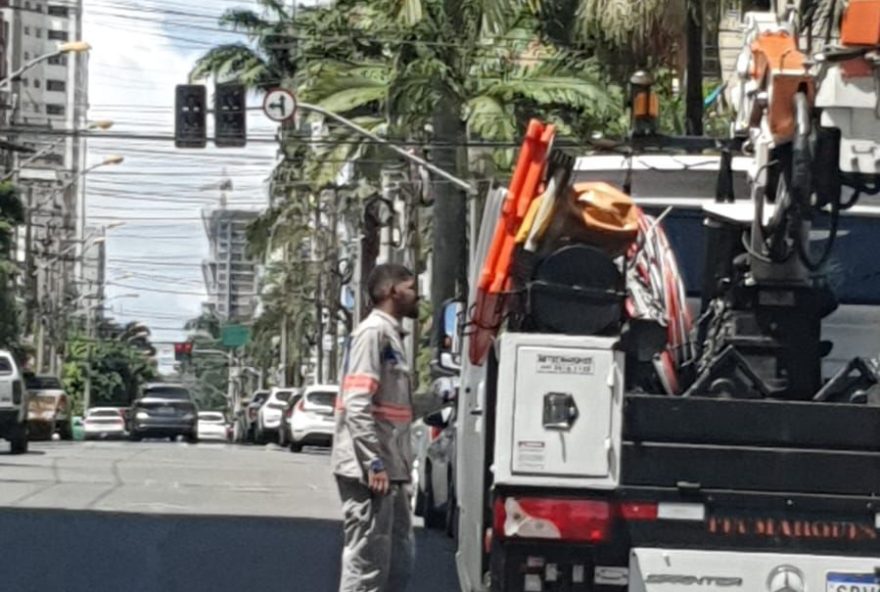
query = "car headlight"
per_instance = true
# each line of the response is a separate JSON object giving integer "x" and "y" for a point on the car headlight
{"x": 142, "y": 415}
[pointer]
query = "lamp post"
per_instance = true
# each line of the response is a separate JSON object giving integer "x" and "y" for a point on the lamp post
{"x": 53, "y": 308}
{"x": 69, "y": 47}
{"x": 112, "y": 160}
{"x": 97, "y": 125}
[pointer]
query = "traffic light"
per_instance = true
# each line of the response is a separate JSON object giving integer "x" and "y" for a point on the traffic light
{"x": 191, "y": 112}
{"x": 183, "y": 351}
{"x": 230, "y": 115}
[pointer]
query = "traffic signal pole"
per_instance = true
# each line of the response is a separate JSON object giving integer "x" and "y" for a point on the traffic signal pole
{"x": 231, "y": 124}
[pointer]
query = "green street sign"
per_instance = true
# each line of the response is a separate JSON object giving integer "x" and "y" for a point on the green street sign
{"x": 236, "y": 336}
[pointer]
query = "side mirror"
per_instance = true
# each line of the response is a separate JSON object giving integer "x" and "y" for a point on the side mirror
{"x": 449, "y": 338}
{"x": 438, "y": 419}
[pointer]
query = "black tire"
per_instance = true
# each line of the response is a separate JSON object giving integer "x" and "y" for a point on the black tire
{"x": 135, "y": 437}
{"x": 18, "y": 439}
{"x": 192, "y": 438}
{"x": 433, "y": 519}
{"x": 259, "y": 437}
{"x": 296, "y": 447}
{"x": 282, "y": 437}
{"x": 65, "y": 430}
{"x": 419, "y": 508}
{"x": 451, "y": 518}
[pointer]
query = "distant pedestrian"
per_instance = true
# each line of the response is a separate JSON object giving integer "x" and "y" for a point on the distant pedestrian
{"x": 372, "y": 453}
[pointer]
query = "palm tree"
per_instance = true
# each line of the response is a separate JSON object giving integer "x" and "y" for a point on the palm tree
{"x": 475, "y": 71}
{"x": 264, "y": 64}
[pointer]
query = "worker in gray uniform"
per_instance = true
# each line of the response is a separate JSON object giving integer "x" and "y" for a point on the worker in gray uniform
{"x": 372, "y": 453}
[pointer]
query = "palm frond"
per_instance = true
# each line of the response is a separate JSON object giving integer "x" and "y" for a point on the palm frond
{"x": 247, "y": 21}
{"x": 490, "y": 119}
{"x": 227, "y": 61}
{"x": 278, "y": 8}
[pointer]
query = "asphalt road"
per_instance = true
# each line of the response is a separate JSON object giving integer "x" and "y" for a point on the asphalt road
{"x": 163, "y": 517}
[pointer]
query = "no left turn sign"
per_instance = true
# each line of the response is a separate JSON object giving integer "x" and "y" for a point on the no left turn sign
{"x": 279, "y": 105}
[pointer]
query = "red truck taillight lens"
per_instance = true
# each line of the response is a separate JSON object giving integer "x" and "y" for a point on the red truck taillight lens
{"x": 638, "y": 511}
{"x": 575, "y": 520}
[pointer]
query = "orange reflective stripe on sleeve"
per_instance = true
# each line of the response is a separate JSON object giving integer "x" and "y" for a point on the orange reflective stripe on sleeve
{"x": 360, "y": 382}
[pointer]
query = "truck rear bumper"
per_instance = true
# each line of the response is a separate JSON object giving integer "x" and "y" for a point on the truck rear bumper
{"x": 538, "y": 566}
{"x": 677, "y": 570}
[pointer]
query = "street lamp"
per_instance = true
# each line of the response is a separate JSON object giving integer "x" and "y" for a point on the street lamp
{"x": 95, "y": 240}
{"x": 69, "y": 47}
{"x": 103, "y": 124}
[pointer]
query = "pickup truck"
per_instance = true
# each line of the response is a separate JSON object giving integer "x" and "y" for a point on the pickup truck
{"x": 13, "y": 404}
{"x": 48, "y": 408}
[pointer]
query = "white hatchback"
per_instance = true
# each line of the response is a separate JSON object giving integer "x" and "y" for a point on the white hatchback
{"x": 312, "y": 422}
{"x": 271, "y": 414}
{"x": 104, "y": 422}
{"x": 212, "y": 426}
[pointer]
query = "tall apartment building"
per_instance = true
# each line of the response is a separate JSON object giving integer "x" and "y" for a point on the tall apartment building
{"x": 230, "y": 273}
{"x": 45, "y": 108}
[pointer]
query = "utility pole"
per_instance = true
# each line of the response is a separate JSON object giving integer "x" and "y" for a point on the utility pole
{"x": 317, "y": 258}
{"x": 285, "y": 322}
{"x": 90, "y": 347}
{"x": 334, "y": 289}
{"x": 694, "y": 77}
{"x": 449, "y": 257}
{"x": 30, "y": 279}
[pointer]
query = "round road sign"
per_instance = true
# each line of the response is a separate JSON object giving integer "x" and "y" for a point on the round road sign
{"x": 279, "y": 105}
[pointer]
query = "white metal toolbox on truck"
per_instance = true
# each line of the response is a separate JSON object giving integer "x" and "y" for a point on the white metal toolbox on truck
{"x": 559, "y": 411}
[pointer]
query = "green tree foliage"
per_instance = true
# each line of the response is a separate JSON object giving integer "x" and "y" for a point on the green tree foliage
{"x": 11, "y": 215}
{"x": 206, "y": 374}
{"x": 116, "y": 367}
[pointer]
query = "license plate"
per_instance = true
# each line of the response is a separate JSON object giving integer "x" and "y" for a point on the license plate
{"x": 850, "y": 582}
{"x": 165, "y": 410}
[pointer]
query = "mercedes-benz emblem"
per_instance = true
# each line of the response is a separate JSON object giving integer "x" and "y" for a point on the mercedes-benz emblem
{"x": 786, "y": 578}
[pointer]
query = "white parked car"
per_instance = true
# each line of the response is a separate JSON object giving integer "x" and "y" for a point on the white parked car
{"x": 312, "y": 422}
{"x": 270, "y": 415}
{"x": 212, "y": 426}
{"x": 104, "y": 422}
{"x": 13, "y": 404}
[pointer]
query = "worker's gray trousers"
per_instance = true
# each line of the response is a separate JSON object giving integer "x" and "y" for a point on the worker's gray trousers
{"x": 378, "y": 552}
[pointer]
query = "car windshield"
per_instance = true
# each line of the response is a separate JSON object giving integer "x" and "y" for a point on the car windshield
{"x": 5, "y": 365}
{"x": 176, "y": 393}
{"x": 103, "y": 413}
{"x": 284, "y": 395}
{"x": 322, "y": 398}
{"x": 43, "y": 383}
{"x": 210, "y": 416}
{"x": 259, "y": 398}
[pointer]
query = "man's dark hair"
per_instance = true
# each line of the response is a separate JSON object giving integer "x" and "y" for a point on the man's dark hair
{"x": 383, "y": 277}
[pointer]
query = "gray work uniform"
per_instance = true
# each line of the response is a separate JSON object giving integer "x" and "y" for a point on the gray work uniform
{"x": 373, "y": 417}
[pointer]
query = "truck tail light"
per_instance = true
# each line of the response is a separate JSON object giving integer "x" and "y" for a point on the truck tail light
{"x": 638, "y": 511}
{"x": 576, "y": 520}
{"x": 16, "y": 392}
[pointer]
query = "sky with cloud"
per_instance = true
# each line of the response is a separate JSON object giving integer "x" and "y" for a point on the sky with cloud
{"x": 141, "y": 50}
